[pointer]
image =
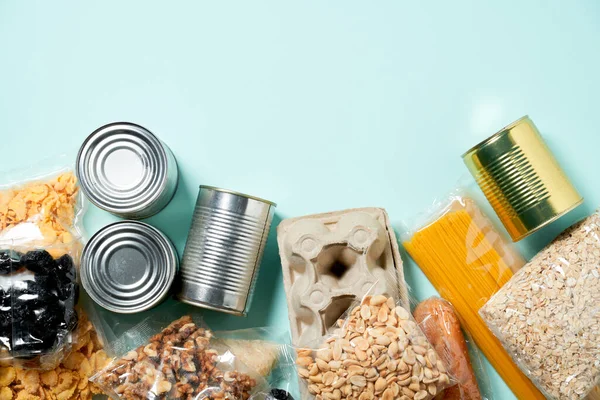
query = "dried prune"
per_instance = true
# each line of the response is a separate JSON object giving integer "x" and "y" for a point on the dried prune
{"x": 33, "y": 293}
{"x": 5, "y": 299}
{"x": 37, "y": 326}
{"x": 37, "y": 313}
{"x": 5, "y": 323}
{"x": 76, "y": 294}
{"x": 279, "y": 394}
{"x": 9, "y": 261}
{"x": 39, "y": 262}
{"x": 65, "y": 267}
{"x": 65, "y": 290}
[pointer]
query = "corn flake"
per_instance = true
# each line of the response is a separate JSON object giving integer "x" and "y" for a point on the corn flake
{"x": 6, "y": 393}
{"x": 50, "y": 204}
{"x": 7, "y": 376}
{"x": 49, "y": 378}
{"x": 27, "y": 396}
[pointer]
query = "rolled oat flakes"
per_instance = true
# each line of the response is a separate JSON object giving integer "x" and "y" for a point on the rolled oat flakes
{"x": 547, "y": 316}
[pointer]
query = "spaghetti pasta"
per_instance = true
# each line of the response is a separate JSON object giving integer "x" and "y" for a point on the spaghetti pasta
{"x": 467, "y": 261}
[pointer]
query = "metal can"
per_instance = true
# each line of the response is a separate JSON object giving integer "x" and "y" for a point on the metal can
{"x": 521, "y": 179}
{"x": 128, "y": 267}
{"x": 126, "y": 170}
{"x": 224, "y": 248}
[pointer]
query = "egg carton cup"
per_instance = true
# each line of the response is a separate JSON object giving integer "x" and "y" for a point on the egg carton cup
{"x": 330, "y": 260}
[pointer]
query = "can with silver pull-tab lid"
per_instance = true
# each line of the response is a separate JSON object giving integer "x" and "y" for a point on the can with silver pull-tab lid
{"x": 128, "y": 267}
{"x": 224, "y": 249}
{"x": 126, "y": 170}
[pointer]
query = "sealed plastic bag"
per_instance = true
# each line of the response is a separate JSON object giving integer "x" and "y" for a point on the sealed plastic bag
{"x": 40, "y": 246}
{"x": 69, "y": 380}
{"x": 182, "y": 361}
{"x": 377, "y": 350}
{"x": 263, "y": 351}
{"x": 439, "y": 323}
{"x": 41, "y": 204}
{"x": 467, "y": 260}
{"x": 548, "y": 315}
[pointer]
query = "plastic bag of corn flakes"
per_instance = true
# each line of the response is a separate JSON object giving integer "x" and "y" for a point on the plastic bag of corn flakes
{"x": 41, "y": 214}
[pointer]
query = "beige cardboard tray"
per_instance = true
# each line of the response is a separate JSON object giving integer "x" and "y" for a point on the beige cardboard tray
{"x": 329, "y": 260}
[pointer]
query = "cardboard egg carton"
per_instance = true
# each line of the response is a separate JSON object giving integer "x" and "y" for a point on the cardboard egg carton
{"x": 330, "y": 260}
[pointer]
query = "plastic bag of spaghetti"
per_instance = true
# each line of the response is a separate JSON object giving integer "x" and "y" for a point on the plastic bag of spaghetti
{"x": 467, "y": 260}
{"x": 264, "y": 352}
{"x": 438, "y": 321}
{"x": 178, "y": 361}
{"x": 376, "y": 350}
{"x": 548, "y": 315}
{"x": 40, "y": 245}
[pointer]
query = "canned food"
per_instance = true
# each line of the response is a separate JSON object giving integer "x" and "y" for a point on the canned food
{"x": 128, "y": 266}
{"x": 521, "y": 179}
{"x": 224, "y": 249}
{"x": 124, "y": 169}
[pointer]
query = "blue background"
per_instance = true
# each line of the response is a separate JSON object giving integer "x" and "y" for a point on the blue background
{"x": 315, "y": 105}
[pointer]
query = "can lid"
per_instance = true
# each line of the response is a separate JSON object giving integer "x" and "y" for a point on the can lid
{"x": 122, "y": 168}
{"x": 128, "y": 266}
{"x": 238, "y": 194}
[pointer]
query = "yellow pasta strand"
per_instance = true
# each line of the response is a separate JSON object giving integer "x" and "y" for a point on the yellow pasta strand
{"x": 467, "y": 262}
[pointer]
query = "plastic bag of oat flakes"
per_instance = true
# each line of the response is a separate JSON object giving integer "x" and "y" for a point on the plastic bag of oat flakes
{"x": 548, "y": 315}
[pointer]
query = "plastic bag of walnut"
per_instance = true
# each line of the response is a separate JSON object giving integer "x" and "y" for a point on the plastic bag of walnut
{"x": 377, "y": 350}
{"x": 181, "y": 361}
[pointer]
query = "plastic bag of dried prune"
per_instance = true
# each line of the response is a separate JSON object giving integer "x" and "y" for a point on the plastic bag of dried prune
{"x": 38, "y": 294}
{"x": 41, "y": 232}
{"x": 176, "y": 360}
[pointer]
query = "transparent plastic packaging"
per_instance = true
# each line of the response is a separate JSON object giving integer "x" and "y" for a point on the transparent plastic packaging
{"x": 42, "y": 204}
{"x": 467, "y": 260}
{"x": 548, "y": 316}
{"x": 439, "y": 323}
{"x": 377, "y": 349}
{"x": 264, "y": 351}
{"x": 68, "y": 380}
{"x": 40, "y": 245}
{"x": 182, "y": 361}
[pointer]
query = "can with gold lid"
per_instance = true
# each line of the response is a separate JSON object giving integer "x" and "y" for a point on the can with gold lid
{"x": 521, "y": 179}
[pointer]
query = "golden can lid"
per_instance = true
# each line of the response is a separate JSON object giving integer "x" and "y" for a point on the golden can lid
{"x": 521, "y": 179}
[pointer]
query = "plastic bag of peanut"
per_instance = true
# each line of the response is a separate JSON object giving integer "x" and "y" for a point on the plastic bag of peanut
{"x": 182, "y": 361}
{"x": 377, "y": 352}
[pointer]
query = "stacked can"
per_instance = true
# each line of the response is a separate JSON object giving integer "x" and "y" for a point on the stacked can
{"x": 124, "y": 169}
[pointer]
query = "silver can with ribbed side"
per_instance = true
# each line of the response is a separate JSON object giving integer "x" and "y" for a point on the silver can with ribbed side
{"x": 223, "y": 251}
